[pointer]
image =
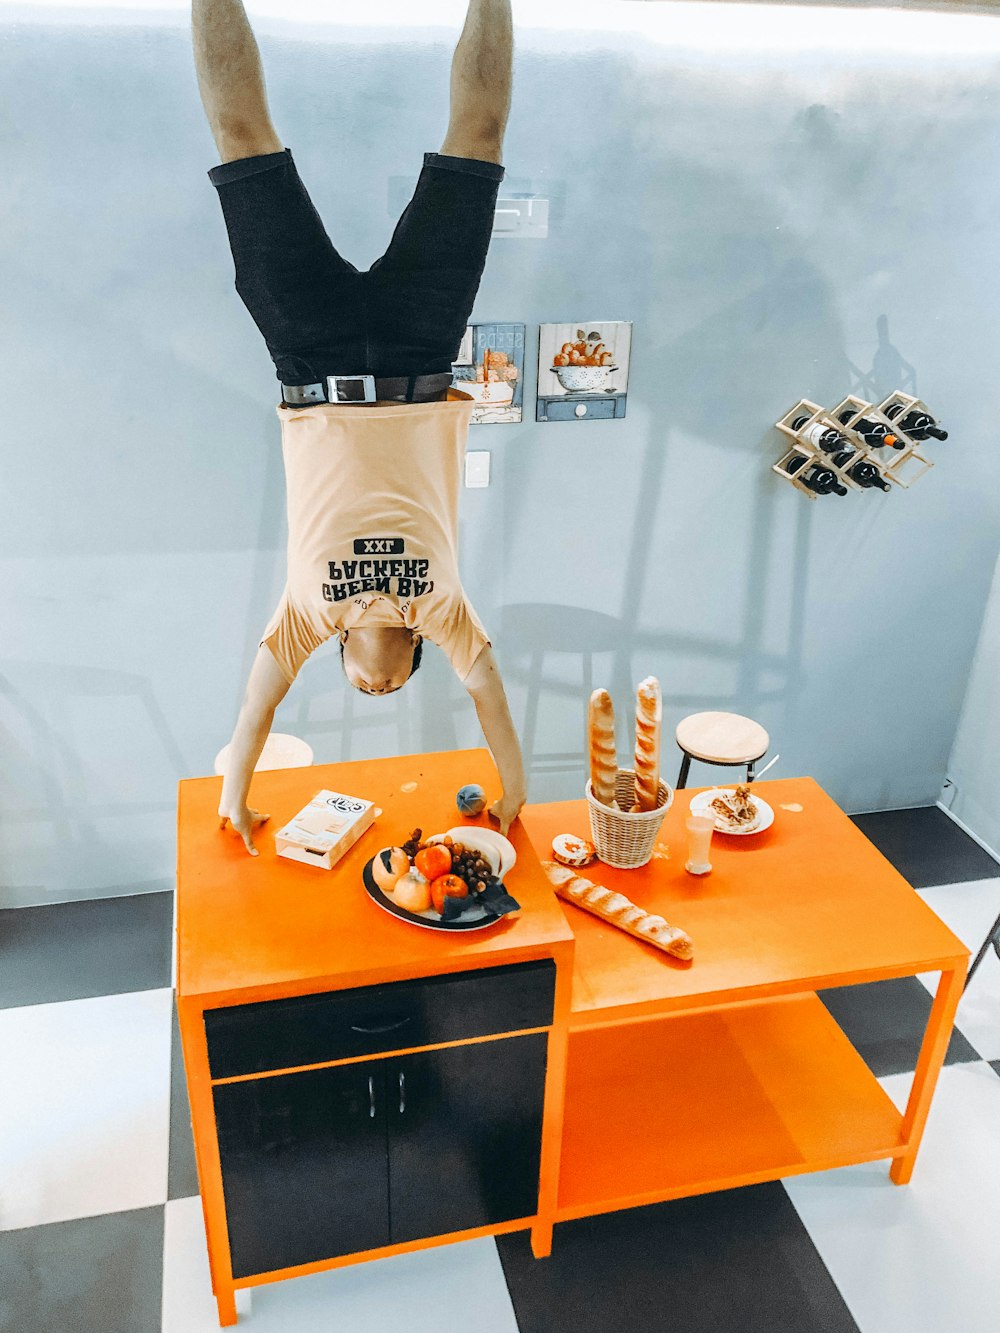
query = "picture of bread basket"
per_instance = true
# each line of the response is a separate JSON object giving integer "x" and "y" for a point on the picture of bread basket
{"x": 622, "y": 839}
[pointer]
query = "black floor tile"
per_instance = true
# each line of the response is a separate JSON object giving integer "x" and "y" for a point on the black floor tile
{"x": 995, "y": 1066}
{"x": 885, "y": 1022}
{"x": 93, "y": 1273}
{"x": 182, "y": 1174}
{"x": 927, "y": 847}
{"x": 74, "y": 951}
{"x": 739, "y": 1261}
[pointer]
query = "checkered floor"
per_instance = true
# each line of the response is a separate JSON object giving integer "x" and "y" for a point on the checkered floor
{"x": 101, "y": 1227}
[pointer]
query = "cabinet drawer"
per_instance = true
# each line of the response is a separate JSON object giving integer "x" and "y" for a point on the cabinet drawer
{"x": 592, "y": 409}
{"x": 311, "y": 1029}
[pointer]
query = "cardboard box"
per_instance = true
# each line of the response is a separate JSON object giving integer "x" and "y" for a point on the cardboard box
{"x": 325, "y": 829}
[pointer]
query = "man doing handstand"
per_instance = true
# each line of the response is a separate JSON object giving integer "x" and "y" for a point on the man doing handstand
{"x": 373, "y": 435}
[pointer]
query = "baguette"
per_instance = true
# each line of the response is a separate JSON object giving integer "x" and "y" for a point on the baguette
{"x": 616, "y": 909}
{"x": 648, "y": 717}
{"x": 603, "y": 757}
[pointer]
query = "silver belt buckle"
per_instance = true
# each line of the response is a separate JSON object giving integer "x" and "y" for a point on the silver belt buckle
{"x": 333, "y": 391}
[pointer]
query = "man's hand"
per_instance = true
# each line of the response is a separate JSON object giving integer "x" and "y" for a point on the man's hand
{"x": 505, "y": 811}
{"x": 244, "y": 821}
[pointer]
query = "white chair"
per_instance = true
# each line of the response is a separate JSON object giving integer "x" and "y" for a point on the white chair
{"x": 280, "y": 751}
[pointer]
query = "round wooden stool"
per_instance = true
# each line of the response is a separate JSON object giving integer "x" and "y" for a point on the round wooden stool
{"x": 720, "y": 738}
{"x": 280, "y": 751}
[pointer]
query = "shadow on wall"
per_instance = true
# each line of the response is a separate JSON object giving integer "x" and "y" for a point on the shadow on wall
{"x": 556, "y": 655}
{"x": 90, "y": 768}
{"x": 890, "y": 370}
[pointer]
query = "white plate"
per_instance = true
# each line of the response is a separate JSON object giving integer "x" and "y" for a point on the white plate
{"x": 497, "y": 849}
{"x": 429, "y": 920}
{"x": 701, "y": 805}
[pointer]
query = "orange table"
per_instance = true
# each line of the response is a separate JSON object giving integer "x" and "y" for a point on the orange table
{"x": 662, "y": 1078}
{"x": 267, "y": 929}
{"x": 729, "y": 1070}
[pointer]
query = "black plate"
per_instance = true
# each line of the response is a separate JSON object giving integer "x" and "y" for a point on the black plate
{"x": 487, "y": 918}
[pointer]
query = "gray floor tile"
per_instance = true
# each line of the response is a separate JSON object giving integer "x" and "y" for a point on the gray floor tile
{"x": 739, "y": 1261}
{"x": 182, "y": 1174}
{"x": 927, "y": 847}
{"x": 93, "y": 1275}
{"x": 73, "y": 951}
{"x": 886, "y": 1020}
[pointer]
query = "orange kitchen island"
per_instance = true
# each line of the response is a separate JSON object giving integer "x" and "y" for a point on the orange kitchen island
{"x": 360, "y": 1087}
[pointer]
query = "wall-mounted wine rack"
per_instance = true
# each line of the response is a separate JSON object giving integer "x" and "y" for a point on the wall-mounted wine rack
{"x": 856, "y": 445}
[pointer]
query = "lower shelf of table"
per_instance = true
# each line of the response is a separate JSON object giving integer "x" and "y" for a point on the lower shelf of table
{"x": 714, "y": 1099}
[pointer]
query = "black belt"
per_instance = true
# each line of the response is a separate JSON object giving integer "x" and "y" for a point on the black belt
{"x": 367, "y": 388}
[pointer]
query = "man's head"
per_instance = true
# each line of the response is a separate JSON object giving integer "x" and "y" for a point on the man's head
{"x": 380, "y": 659}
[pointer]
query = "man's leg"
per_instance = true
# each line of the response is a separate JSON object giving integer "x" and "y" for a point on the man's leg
{"x": 421, "y": 292}
{"x": 481, "y": 80}
{"x": 231, "y": 80}
{"x": 303, "y": 296}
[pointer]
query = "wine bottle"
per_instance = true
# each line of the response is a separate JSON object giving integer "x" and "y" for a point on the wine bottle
{"x": 823, "y": 437}
{"x": 918, "y": 425}
{"x": 844, "y": 457}
{"x": 868, "y": 475}
{"x": 875, "y": 434}
{"x": 818, "y": 478}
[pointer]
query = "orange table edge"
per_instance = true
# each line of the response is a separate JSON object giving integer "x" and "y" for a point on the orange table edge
{"x": 642, "y": 1050}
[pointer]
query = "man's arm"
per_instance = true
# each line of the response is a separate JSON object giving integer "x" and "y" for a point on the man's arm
{"x": 266, "y": 688}
{"x": 485, "y": 685}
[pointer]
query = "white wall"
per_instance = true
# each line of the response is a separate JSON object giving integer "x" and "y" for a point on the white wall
{"x": 974, "y": 766}
{"x": 784, "y": 202}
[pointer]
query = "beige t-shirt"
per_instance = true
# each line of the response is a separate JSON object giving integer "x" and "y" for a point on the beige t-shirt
{"x": 372, "y": 527}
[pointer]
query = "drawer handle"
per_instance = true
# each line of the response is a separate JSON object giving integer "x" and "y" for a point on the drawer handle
{"x": 371, "y": 1096}
{"x": 402, "y": 1093}
{"x": 387, "y": 1027}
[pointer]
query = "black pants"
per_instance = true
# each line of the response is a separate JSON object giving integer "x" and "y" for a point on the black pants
{"x": 318, "y": 314}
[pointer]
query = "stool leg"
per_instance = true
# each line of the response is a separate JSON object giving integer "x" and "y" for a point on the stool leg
{"x": 682, "y": 777}
{"x": 992, "y": 938}
{"x": 750, "y": 769}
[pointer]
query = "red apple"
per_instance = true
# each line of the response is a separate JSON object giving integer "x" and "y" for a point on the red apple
{"x": 447, "y": 886}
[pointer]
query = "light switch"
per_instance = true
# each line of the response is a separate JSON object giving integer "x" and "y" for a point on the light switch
{"x": 477, "y": 468}
{"x": 525, "y": 219}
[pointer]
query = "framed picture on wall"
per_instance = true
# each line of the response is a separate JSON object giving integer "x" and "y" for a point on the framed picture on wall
{"x": 583, "y": 370}
{"x": 490, "y": 367}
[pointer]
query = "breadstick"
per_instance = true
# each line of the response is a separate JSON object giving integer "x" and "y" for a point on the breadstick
{"x": 603, "y": 757}
{"x": 648, "y": 716}
{"x": 618, "y": 910}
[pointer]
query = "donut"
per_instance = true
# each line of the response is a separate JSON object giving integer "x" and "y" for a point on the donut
{"x": 569, "y": 850}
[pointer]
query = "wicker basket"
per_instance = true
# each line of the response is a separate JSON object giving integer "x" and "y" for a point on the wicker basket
{"x": 625, "y": 840}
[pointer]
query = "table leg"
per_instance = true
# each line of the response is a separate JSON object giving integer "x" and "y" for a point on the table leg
{"x": 555, "y": 1097}
{"x": 226, "y": 1301}
{"x": 932, "y": 1053}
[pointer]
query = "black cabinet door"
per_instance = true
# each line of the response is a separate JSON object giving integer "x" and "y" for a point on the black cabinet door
{"x": 465, "y": 1128}
{"x": 304, "y": 1165}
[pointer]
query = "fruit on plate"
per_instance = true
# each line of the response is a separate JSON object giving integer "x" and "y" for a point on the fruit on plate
{"x": 433, "y": 861}
{"x": 447, "y": 886}
{"x": 412, "y": 892}
{"x": 390, "y": 864}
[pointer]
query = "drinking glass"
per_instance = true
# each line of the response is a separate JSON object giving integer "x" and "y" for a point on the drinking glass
{"x": 699, "y": 831}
